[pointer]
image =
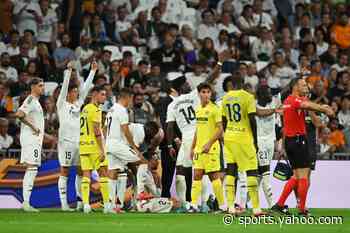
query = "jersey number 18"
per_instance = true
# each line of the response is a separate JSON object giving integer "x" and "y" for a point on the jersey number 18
{"x": 234, "y": 112}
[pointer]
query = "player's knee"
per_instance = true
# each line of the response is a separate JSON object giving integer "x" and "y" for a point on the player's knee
{"x": 64, "y": 171}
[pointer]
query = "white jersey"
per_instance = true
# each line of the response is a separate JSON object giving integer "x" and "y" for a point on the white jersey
{"x": 138, "y": 133}
{"x": 68, "y": 113}
{"x": 116, "y": 117}
{"x": 34, "y": 113}
{"x": 183, "y": 111}
{"x": 155, "y": 205}
{"x": 266, "y": 125}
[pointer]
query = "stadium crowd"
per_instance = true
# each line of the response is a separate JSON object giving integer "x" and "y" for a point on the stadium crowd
{"x": 141, "y": 43}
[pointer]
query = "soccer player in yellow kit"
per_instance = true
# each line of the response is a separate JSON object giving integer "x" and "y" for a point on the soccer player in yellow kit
{"x": 92, "y": 151}
{"x": 206, "y": 148}
{"x": 240, "y": 142}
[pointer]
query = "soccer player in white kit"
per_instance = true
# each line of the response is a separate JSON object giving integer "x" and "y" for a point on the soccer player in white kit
{"x": 120, "y": 147}
{"x": 68, "y": 106}
{"x": 31, "y": 138}
{"x": 266, "y": 109}
{"x": 182, "y": 112}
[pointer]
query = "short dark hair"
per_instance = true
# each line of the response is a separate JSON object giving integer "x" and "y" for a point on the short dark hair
{"x": 204, "y": 85}
{"x": 143, "y": 62}
{"x": 237, "y": 80}
{"x": 225, "y": 83}
{"x": 151, "y": 130}
{"x": 72, "y": 86}
{"x": 98, "y": 88}
{"x": 124, "y": 92}
{"x": 35, "y": 81}
{"x": 30, "y": 31}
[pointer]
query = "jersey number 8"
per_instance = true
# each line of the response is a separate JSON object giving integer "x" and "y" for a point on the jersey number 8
{"x": 234, "y": 112}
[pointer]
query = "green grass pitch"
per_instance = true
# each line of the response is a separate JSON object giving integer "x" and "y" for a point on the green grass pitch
{"x": 52, "y": 220}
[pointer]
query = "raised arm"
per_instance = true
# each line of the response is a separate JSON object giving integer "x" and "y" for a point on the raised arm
{"x": 88, "y": 83}
{"x": 308, "y": 105}
{"x": 64, "y": 89}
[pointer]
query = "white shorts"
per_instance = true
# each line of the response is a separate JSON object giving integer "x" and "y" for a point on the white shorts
{"x": 155, "y": 205}
{"x": 31, "y": 154}
{"x": 266, "y": 151}
{"x": 68, "y": 153}
{"x": 184, "y": 155}
{"x": 119, "y": 156}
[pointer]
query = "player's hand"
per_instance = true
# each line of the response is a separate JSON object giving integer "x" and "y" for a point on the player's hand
{"x": 279, "y": 110}
{"x": 94, "y": 66}
{"x": 177, "y": 143}
{"x": 36, "y": 131}
{"x": 172, "y": 153}
{"x": 206, "y": 148}
{"x": 70, "y": 65}
{"x": 102, "y": 157}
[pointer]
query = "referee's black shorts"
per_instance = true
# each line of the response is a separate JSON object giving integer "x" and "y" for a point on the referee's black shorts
{"x": 297, "y": 150}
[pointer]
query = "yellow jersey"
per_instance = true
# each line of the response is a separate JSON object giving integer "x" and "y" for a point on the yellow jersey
{"x": 207, "y": 118}
{"x": 236, "y": 105}
{"x": 90, "y": 114}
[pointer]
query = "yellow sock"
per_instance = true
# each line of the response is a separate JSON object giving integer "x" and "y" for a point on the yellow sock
{"x": 85, "y": 189}
{"x": 218, "y": 191}
{"x": 252, "y": 183}
{"x": 230, "y": 191}
{"x": 196, "y": 191}
{"x": 104, "y": 189}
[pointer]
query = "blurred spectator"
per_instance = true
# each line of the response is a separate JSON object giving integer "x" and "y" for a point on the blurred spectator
{"x": 45, "y": 64}
{"x": 63, "y": 55}
{"x": 5, "y": 139}
{"x": 226, "y": 23}
{"x": 84, "y": 54}
{"x": 47, "y": 29}
{"x": 28, "y": 37}
{"x": 28, "y": 15}
{"x": 339, "y": 90}
{"x": 316, "y": 75}
{"x": 341, "y": 32}
{"x": 6, "y": 19}
{"x": 168, "y": 58}
{"x": 284, "y": 72}
{"x": 262, "y": 48}
{"x": 104, "y": 62}
{"x": 198, "y": 75}
{"x": 142, "y": 111}
{"x": 116, "y": 78}
{"x": 207, "y": 52}
{"x": 319, "y": 93}
{"x": 6, "y": 102}
{"x": 343, "y": 62}
{"x": 325, "y": 147}
{"x": 208, "y": 27}
{"x": 336, "y": 137}
{"x": 344, "y": 113}
{"x": 13, "y": 46}
{"x": 10, "y": 72}
{"x": 190, "y": 44}
{"x": 71, "y": 14}
{"x": 138, "y": 75}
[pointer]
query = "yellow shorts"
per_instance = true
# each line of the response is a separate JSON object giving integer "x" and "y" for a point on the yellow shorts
{"x": 242, "y": 154}
{"x": 91, "y": 162}
{"x": 207, "y": 162}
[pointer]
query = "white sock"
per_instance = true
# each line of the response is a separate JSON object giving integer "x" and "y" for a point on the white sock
{"x": 62, "y": 190}
{"x": 78, "y": 187}
{"x": 112, "y": 190}
{"x": 266, "y": 185}
{"x": 28, "y": 183}
{"x": 121, "y": 187}
{"x": 205, "y": 193}
{"x": 181, "y": 188}
{"x": 242, "y": 188}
